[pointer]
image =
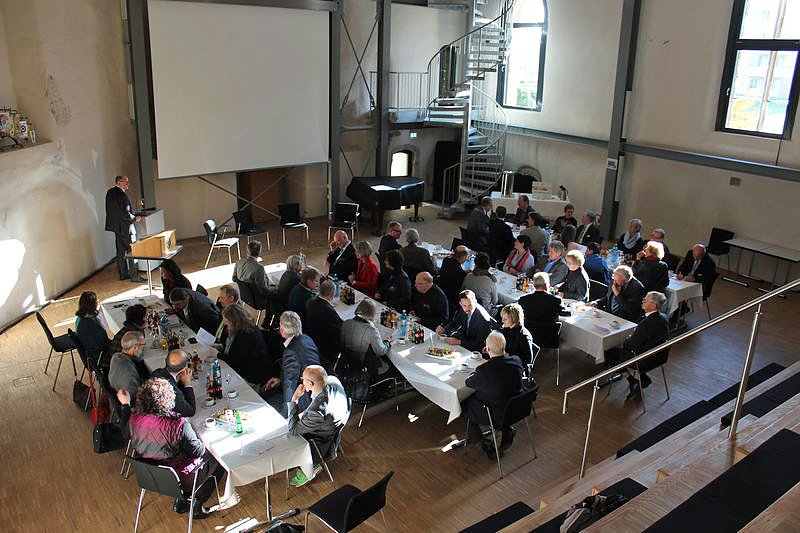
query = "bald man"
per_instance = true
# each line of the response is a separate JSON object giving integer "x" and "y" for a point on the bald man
{"x": 322, "y": 419}
{"x": 176, "y": 371}
{"x": 341, "y": 261}
{"x": 428, "y": 302}
{"x": 698, "y": 266}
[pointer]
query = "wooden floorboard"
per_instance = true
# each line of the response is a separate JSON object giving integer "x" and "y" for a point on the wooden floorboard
{"x": 52, "y": 481}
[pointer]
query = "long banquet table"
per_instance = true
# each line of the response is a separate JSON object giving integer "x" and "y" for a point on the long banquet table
{"x": 264, "y": 448}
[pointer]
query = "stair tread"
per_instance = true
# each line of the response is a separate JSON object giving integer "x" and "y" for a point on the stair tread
{"x": 782, "y": 515}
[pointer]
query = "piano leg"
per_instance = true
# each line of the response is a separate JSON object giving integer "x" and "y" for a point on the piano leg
{"x": 416, "y": 217}
{"x": 378, "y": 216}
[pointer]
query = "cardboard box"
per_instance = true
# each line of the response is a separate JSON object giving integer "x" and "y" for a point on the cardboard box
{"x": 157, "y": 245}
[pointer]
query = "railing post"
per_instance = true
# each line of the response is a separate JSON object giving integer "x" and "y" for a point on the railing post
{"x": 595, "y": 388}
{"x": 748, "y": 362}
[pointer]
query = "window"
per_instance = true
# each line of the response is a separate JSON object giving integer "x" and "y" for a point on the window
{"x": 520, "y": 77}
{"x": 761, "y": 79}
{"x": 402, "y": 163}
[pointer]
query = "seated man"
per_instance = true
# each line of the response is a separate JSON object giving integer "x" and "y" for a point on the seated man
{"x": 471, "y": 325}
{"x": 495, "y": 382}
{"x": 322, "y": 420}
{"x": 299, "y": 352}
{"x": 127, "y": 371}
{"x": 658, "y": 235}
{"x": 250, "y": 271}
{"x": 588, "y": 231}
{"x": 523, "y": 208}
{"x": 323, "y": 323}
{"x": 651, "y": 331}
{"x": 390, "y": 240}
{"x": 341, "y": 261}
{"x": 228, "y": 295}
{"x": 176, "y": 372}
{"x": 415, "y": 258}
{"x": 195, "y": 309}
{"x": 556, "y": 266}
{"x": 501, "y": 239}
{"x": 698, "y": 266}
{"x": 304, "y": 291}
{"x": 428, "y": 302}
{"x": 631, "y": 242}
{"x": 134, "y": 321}
{"x": 452, "y": 273}
{"x": 478, "y": 223}
{"x": 624, "y": 296}
{"x": 540, "y": 307}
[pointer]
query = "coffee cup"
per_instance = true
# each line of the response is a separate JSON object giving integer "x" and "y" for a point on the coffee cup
{"x": 232, "y": 394}
{"x": 465, "y": 367}
{"x": 210, "y": 422}
{"x": 476, "y": 355}
{"x": 210, "y": 401}
{"x": 596, "y": 313}
{"x": 614, "y": 324}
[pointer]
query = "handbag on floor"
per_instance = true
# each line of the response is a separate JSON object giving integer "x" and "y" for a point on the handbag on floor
{"x": 80, "y": 395}
{"x": 107, "y": 437}
{"x": 590, "y": 510}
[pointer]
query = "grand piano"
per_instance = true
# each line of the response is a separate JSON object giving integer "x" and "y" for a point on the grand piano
{"x": 381, "y": 194}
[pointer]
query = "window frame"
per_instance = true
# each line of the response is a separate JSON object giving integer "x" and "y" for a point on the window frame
{"x": 734, "y": 46}
{"x": 501, "y": 71}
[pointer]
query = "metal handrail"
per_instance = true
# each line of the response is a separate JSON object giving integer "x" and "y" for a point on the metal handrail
{"x": 711, "y": 323}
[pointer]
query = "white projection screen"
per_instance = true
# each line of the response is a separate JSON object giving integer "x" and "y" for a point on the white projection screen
{"x": 238, "y": 87}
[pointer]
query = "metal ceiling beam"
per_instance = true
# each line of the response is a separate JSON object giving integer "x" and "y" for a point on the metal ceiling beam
{"x": 314, "y": 5}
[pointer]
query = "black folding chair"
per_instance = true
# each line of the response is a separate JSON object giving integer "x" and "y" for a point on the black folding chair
{"x": 162, "y": 479}
{"x": 202, "y": 290}
{"x": 61, "y": 345}
{"x": 347, "y": 507}
{"x": 718, "y": 246}
{"x": 547, "y": 336}
{"x": 707, "y": 297}
{"x": 247, "y": 292}
{"x": 352, "y": 360}
{"x": 345, "y": 217}
{"x": 517, "y": 408}
{"x": 88, "y": 363}
{"x": 657, "y": 360}
{"x": 247, "y": 228}
{"x": 458, "y": 242}
{"x": 597, "y": 290}
{"x": 290, "y": 219}
{"x": 218, "y": 240}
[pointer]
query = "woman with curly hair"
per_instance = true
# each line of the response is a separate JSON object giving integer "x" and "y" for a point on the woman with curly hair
{"x": 160, "y": 434}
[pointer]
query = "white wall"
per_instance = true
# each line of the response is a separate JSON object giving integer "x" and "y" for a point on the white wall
{"x": 7, "y": 95}
{"x": 67, "y": 63}
{"x": 188, "y": 202}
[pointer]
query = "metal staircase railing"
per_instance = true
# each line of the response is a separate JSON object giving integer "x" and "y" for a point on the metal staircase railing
{"x": 737, "y": 411}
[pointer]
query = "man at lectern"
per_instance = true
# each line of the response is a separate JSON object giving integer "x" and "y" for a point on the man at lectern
{"x": 120, "y": 219}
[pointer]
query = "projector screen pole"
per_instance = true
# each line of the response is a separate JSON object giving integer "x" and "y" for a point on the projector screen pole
{"x": 384, "y": 16}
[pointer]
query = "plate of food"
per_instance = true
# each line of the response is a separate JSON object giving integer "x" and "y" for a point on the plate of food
{"x": 229, "y": 415}
{"x": 443, "y": 354}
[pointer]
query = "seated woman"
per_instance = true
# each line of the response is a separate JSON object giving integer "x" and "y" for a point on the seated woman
{"x": 631, "y": 242}
{"x": 360, "y": 336}
{"x": 158, "y": 433}
{"x": 365, "y": 278}
{"x": 171, "y": 277}
{"x": 394, "y": 287}
{"x": 482, "y": 282}
{"x": 244, "y": 348}
{"x": 519, "y": 341}
{"x": 522, "y": 258}
{"x": 650, "y": 269}
{"x": 576, "y": 285}
{"x": 90, "y": 331}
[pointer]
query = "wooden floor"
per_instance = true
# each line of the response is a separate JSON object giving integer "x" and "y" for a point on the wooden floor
{"x": 52, "y": 480}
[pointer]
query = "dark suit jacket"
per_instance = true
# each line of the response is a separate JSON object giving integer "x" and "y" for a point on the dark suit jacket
{"x": 287, "y": 282}
{"x": 576, "y": 285}
{"x": 451, "y": 278}
{"x": 298, "y": 298}
{"x": 654, "y": 275}
{"x": 519, "y": 342}
{"x": 387, "y": 243}
{"x": 562, "y": 221}
{"x": 343, "y": 263}
{"x": 300, "y": 353}
{"x": 473, "y": 338}
{"x": 629, "y": 299}
{"x": 592, "y": 234}
{"x": 417, "y": 258}
{"x": 431, "y": 308}
{"x": 479, "y": 224}
{"x": 540, "y": 306}
{"x": 118, "y": 211}
{"x": 496, "y": 381}
{"x": 185, "y": 403}
{"x": 501, "y": 239}
{"x": 651, "y": 331}
{"x": 202, "y": 313}
{"x": 324, "y": 325}
{"x": 249, "y": 357}
{"x": 323, "y": 417}
{"x": 395, "y": 289}
{"x": 705, "y": 273}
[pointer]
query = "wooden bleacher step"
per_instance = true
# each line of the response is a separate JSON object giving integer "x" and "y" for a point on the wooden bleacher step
{"x": 782, "y": 515}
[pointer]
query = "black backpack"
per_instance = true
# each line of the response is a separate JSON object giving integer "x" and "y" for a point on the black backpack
{"x": 590, "y": 510}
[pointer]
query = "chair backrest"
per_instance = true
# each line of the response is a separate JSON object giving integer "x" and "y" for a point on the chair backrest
{"x": 366, "y": 503}
{"x": 85, "y": 359}
{"x": 468, "y": 237}
{"x": 596, "y": 290}
{"x": 202, "y": 290}
{"x": 716, "y": 241}
{"x": 519, "y": 407}
{"x": 289, "y": 212}
{"x": 247, "y": 293}
{"x": 458, "y": 242}
{"x": 210, "y": 228}
{"x": 244, "y": 220}
{"x": 156, "y": 477}
{"x": 46, "y": 329}
{"x": 411, "y": 272}
{"x": 708, "y": 287}
{"x": 545, "y": 334}
{"x": 672, "y": 261}
{"x": 345, "y": 212}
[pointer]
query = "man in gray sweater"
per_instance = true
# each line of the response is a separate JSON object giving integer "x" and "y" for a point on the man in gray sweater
{"x": 127, "y": 370}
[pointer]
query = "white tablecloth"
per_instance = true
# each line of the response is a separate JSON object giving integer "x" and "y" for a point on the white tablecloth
{"x": 683, "y": 291}
{"x": 551, "y": 208}
{"x": 264, "y": 448}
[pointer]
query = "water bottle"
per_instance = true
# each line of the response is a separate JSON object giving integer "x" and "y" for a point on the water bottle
{"x": 469, "y": 264}
{"x": 336, "y": 286}
{"x": 613, "y": 257}
{"x": 403, "y": 327}
{"x": 163, "y": 325}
